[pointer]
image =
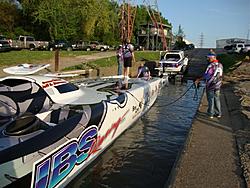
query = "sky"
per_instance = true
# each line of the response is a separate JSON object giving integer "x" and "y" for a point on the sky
{"x": 216, "y": 19}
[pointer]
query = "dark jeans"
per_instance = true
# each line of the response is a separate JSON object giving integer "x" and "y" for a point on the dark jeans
{"x": 214, "y": 106}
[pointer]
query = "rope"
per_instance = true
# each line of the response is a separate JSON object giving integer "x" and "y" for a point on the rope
{"x": 195, "y": 97}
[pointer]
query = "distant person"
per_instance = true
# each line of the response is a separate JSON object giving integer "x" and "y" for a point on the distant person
{"x": 128, "y": 57}
{"x": 143, "y": 72}
{"x": 213, "y": 77}
{"x": 119, "y": 55}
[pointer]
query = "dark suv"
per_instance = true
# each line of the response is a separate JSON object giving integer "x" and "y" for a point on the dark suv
{"x": 4, "y": 46}
{"x": 60, "y": 44}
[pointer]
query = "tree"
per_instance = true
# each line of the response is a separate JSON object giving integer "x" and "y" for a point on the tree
{"x": 74, "y": 20}
{"x": 78, "y": 19}
{"x": 8, "y": 16}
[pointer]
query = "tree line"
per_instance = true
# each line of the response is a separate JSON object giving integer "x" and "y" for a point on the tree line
{"x": 66, "y": 19}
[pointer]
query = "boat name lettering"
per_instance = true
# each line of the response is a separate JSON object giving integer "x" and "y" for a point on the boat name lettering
{"x": 97, "y": 145}
{"x": 52, "y": 169}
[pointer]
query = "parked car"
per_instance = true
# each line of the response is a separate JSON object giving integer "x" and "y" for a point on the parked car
{"x": 4, "y": 46}
{"x": 28, "y": 42}
{"x": 184, "y": 47}
{"x": 60, "y": 44}
{"x": 98, "y": 46}
{"x": 82, "y": 45}
{"x": 237, "y": 48}
{"x": 246, "y": 49}
{"x": 190, "y": 47}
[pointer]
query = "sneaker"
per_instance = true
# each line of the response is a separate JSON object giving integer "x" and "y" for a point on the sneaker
{"x": 211, "y": 117}
{"x": 218, "y": 116}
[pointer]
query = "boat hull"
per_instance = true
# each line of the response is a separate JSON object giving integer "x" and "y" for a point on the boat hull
{"x": 86, "y": 134}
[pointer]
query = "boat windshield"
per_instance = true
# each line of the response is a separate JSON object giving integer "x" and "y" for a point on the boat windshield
{"x": 65, "y": 88}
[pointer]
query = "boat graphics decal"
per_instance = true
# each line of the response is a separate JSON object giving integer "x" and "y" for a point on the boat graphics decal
{"x": 121, "y": 101}
{"x": 49, "y": 171}
{"x": 97, "y": 145}
{"x": 53, "y": 168}
{"x": 52, "y": 83}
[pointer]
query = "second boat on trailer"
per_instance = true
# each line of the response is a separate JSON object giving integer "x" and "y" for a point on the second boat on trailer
{"x": 52, "y": 129}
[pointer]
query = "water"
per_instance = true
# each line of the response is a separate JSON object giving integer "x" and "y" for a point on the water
{"x": 145, "y": 154}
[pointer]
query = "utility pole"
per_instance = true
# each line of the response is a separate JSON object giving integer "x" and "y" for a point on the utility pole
{"x": 201, "y": 40}
{"x": 248, "y": 34}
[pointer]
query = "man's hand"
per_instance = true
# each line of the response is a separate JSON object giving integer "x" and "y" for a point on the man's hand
{"x": 197, "y": 81}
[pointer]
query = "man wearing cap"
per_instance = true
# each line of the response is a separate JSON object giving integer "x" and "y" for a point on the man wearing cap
{"x": 211, "y": 52}
{"x": 213, "y": 78}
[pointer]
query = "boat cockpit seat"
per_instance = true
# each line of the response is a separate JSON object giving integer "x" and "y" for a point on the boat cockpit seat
{"x": 27, "y": 97}
{"x": 24, "y": 124}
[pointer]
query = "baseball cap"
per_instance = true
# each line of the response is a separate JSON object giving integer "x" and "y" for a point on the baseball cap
{"x": 211, "y": 55}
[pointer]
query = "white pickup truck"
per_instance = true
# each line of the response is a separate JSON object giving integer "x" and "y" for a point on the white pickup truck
{"x": 28, "y": 42}
{"x": 172, "y": 62}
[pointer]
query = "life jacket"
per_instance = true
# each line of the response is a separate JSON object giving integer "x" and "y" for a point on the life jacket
{"x": 213, "y": 76}
{"x": 144, "y": 72}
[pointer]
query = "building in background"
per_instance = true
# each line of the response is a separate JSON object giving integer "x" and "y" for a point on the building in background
{"x": 149, "y": 36}
{"x": 221, "y": 43}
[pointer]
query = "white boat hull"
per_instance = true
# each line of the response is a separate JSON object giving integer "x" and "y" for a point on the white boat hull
{"x": 58, "y": 163}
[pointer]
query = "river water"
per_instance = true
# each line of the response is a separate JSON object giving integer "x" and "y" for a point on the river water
{"x": 144, "y": 155}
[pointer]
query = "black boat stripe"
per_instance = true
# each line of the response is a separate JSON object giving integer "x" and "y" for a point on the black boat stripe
{"x": 97, "y": 111}
{"x": 54, "y": 117}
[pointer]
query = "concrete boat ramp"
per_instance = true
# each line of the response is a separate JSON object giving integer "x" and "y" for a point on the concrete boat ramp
{"x": 210, "y": 156}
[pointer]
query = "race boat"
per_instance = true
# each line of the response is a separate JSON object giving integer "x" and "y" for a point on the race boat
{"x": 52, "y": 129}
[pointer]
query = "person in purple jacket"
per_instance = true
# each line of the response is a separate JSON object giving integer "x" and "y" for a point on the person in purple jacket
{"x": 213, "y": 78}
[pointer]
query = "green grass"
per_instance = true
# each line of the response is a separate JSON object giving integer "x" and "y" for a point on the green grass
{"x": 147, "y": 55}
{"x": 112, "y": 61}
{"x": 229, "y": 60}
{"x": 26, "y": 56}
